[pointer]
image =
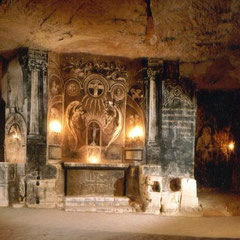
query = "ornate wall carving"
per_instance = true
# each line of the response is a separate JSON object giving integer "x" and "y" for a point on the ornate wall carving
{"x": 178, "y": 126}
{"x": 98, "y": 100}
{"x": 94, "y": 104}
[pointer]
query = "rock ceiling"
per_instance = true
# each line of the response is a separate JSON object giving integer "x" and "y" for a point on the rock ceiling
{"x": 186, "y": 30}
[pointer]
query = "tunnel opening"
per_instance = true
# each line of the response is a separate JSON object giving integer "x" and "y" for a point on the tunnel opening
{"x": 217, "y": 140}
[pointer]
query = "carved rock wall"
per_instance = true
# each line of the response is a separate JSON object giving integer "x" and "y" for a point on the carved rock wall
{"x": 186, "y": 30}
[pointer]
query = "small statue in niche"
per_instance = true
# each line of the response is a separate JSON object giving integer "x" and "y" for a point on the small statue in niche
{"x": 93, "y": 134}
{"x": 14, "y": 148}
{"x": 55, "y": 88}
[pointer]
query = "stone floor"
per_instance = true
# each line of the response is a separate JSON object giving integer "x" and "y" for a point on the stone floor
{"x": 53, "y": 224}
{"x": 217, "y": 203}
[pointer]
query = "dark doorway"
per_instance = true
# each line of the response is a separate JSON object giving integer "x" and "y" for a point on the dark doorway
{"x": 2, "y": 129}
{"x": 217, "y": 155}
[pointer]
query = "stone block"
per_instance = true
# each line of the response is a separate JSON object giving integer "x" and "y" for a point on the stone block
{"x": 41, "y": 193}
{"x": 188, "y": 188}
{"x": 4, "y": 200}
{"x": 98, "y": 204}
{"x": 188, "y": 203}
{"x": 55, "y": 152}
{"x": 3, "y": 173}
{"x": 12, "y": 172}
{"x": 151, "y": 189}
{"x": 170, "y": 202}
{"x": 13, "y": 193}
{"x": 150, "y": 170}
{"x": 21, "y": 169}
{"x": 95, "y": 182}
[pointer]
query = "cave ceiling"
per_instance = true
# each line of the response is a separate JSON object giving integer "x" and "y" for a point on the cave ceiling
{"x": 190, "y": 31}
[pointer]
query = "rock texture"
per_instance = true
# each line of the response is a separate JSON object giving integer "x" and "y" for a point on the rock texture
{"x": 189, "y": 30}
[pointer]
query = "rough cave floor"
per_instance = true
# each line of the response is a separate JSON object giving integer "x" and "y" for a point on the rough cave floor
{"x": 218, "y": 203}
{"x": 51, "y": 224}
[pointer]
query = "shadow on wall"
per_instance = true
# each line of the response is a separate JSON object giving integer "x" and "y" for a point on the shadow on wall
{"x": 2, "y": 127}
{"x": 217, "y": 140}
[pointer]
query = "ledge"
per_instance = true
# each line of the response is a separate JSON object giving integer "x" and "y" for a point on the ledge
{"x": 96, "y": 166}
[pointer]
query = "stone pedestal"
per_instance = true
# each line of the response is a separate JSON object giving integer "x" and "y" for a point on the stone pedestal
{"x": 167, "y": 195}
{"x": 189, "y": 199}
{"x": 150, "y": 184}
{"x": 8, "y": 184}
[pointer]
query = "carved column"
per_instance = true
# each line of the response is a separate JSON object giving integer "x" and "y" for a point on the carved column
{"x": 154, "y": 73}
{"x": 37, "y": 118}
{"x": 37, "y": 65}
{"x": 152, "y": 114}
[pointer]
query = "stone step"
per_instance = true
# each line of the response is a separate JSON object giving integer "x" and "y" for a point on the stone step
{"x": 97, "y": 204}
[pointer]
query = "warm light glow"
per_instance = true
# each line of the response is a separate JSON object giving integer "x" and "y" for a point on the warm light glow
{"x": 55, "y": 126}
{"x": 15, "y": 136}
{"x": 93, "y": 159}
{"x": 231, "y": 146}
{"x": 136, "y": 132}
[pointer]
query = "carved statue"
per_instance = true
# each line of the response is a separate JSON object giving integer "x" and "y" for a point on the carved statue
{"x": 75, "y": 116}
{"x": 14, "y": 144}
{"x": 118, "y": 129}
{"x": 12, "y": 89}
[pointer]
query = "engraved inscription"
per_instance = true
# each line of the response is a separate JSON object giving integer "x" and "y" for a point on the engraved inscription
{"x": 103, "y": 182}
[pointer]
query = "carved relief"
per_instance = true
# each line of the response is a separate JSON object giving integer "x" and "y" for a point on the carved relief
{"x": 94, "y": 109}
{"x": 75, "y": 120}
{"x": 135, "y": 119}
{"x": 95, "y": 93}
{"x": 177, "y": 95}
{"x": 72, "y": 88}
{"x": 37, "y": 60}
{"x": 137, "y": 94}
{"x": 15, "y": 139}
{"x": 55, "y": 106}
{"x": 110, "y": 70}
{"x": 178, "y": 125}
{"x": 95, "y": 182}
